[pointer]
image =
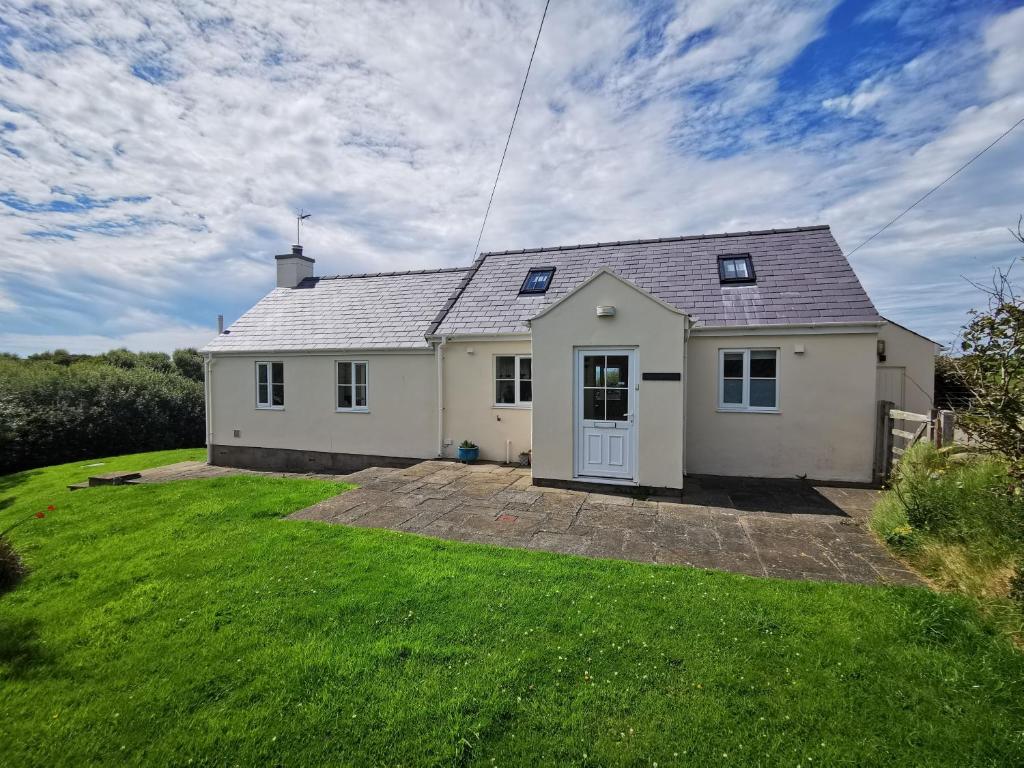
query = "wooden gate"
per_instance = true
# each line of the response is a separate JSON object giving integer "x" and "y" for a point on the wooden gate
{"x": 897, "y": 430}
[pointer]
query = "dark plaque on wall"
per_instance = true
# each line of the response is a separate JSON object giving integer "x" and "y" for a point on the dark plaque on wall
{"x": 662, "y": 377}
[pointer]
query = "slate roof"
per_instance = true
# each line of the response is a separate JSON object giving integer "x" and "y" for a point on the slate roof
{"x": 802, "y": 277}
{"x": 388, "y": 310}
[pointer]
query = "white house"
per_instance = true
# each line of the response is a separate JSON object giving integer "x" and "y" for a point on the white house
{"x": 629, "y": 363}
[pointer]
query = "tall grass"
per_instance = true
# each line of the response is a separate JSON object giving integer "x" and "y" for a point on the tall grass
{"x": 958, "y": 518}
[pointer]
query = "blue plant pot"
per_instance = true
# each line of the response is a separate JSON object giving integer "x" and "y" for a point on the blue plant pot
{"x": 469, "y": 454}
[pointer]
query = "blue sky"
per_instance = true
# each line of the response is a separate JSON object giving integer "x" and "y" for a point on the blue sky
{"x": 152, "y": 154}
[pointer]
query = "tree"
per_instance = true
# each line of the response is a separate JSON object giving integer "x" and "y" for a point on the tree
{"x": 992, "y": 369}
{"x": 189, "y": 363}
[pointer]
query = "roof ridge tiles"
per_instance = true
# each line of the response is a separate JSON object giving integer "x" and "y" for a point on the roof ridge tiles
{"x": 398, "y": 273}
{"x": 649, "y": 241}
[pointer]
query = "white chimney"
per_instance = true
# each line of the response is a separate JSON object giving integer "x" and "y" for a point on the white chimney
{"x": 293, "y": 268}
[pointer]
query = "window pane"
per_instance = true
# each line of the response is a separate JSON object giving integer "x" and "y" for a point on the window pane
{"x": 262, "y": 395}
{"x": 617, "y": 373}
{"x": 732, "y": 391}
{"x": 617, "y": 404}
{"x": 593, "y": 371}
{"x": 762, "y": 364}
{"x": 505, "y": 393}
{"x": 278, "y": 373}
{"x": 525, "y": 391}
{"x": 344, "y": 374}
{"x": 345, "y": 397}
{"x": 360, "y": 395}
{"x": 762, "y": 393}
{"x": 525, "y": 368}
{"x": 278, "y": 394}
{"x": 505, "y": 368}
{"x": 741, "y": 268}
{"x": 261, "y": 373}
{"x": 732, "y": 365}
{"x": 593, "y": 404}
{"x": 729, "y": 268}
{"x": 360, "y": 372}
{"x": 537, "y": 280}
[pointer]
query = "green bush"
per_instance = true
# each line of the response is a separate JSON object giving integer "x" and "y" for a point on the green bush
{"x": 959, "y": 497}
{"x": 54, "y": 411}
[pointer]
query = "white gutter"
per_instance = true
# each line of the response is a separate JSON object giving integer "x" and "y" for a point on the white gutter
{"x": 439, "y": 356}
{"x": 208, "y": 393}
{"x": 786, "y": 329}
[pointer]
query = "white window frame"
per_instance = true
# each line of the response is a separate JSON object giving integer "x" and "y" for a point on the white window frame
{"x": 338, "y": 385}
{"x": 268, "y": 405}
{"x": 745, "y": 405}
{"x": 518, "y": 378}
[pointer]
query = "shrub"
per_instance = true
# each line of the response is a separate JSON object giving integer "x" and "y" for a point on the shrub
{"x": 51, "y": 412}
{"x": 959, "y": 497}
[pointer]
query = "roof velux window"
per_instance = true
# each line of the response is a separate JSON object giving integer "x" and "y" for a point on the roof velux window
{"x": 537, "y": 280}
{"x": 736, "y": 268}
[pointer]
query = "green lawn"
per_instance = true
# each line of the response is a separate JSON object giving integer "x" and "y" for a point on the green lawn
{"x": 187, "y": 624}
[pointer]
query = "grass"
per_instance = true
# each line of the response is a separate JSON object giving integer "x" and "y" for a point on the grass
{"x": 186, "y": 623}
{"x": 949, "y": 514}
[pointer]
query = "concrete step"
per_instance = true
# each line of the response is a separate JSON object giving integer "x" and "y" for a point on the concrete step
{"x": 113, "y": 478}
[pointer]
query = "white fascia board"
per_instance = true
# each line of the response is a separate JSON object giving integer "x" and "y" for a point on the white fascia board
{"x": 785, "y": 329}
{"x": 322, "y": 352}
{"x": 448, "y": 337}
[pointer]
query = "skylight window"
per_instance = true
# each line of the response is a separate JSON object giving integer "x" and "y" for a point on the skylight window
{"x": 736, "y": 269}
{"x": 537, "y": 280}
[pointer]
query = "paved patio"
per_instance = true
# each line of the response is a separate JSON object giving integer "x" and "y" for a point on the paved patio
{"x": 785, "y": 529}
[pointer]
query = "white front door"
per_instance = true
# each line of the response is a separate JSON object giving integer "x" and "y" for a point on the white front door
{"x": 605, "y": 413}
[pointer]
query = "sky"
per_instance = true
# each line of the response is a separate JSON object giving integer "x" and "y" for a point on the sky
{"x": 153, "y": 154}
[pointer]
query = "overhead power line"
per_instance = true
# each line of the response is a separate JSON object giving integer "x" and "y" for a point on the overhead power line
{"x": 511, "y": 128}
{"x": 928, "y": 194}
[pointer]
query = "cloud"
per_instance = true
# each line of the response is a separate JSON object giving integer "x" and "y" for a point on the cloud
{"x": 152, "y": 155}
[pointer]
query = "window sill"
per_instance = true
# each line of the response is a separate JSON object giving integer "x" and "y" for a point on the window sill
{"x": 351, "y": 410}
{"x": 747, "y": 410}
{"x": 269, "y": 407}
{"x": 513, "y": 406}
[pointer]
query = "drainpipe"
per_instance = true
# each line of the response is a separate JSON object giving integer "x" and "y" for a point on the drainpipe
{"x": 208, "y": 393}
{"x": 439, "y": 355}
{"x": 686, "y": 388}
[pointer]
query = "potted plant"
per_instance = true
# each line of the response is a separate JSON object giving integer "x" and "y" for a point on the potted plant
{"x": 468, "y": 451}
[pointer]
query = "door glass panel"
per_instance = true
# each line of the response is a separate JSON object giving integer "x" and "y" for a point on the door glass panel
{"x": 593, "y": 371}
{"x": 732, "y": 365}
{"x": 732, "y": 391}
{"x": 762, "y": 393}
{"x": 617, "y": 403}
{"x": 593, "y": 404}
{"x": 762, "y": 364}
{"x": 617, "y": 371}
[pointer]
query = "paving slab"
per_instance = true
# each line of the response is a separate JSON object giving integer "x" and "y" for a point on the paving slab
{"x": 779, "y": 528}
